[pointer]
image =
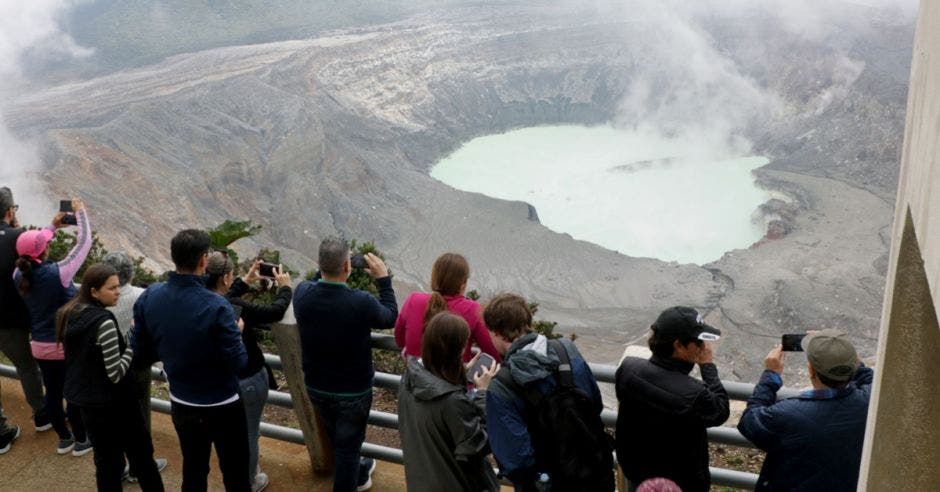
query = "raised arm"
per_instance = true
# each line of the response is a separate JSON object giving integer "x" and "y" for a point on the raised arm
{"x": 69, "y": 266}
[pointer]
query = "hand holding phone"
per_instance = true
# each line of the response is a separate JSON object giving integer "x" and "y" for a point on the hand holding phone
{"x": 482, "y": 361}
{"x": 65, "y": 207}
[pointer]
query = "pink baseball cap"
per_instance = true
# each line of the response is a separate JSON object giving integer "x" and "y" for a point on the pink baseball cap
{"x": 32, "y": 243}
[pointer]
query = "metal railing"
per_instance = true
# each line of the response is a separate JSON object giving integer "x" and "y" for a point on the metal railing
{"x": 603, "y": 373}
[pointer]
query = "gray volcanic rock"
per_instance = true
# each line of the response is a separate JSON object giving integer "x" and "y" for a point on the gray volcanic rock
{"x": 335, "y": 135}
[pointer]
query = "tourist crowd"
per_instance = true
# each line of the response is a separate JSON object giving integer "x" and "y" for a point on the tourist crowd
{"x": 521, "y": 401}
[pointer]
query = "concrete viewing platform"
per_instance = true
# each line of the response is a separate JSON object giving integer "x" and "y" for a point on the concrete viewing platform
{"x": 32, "y": 463}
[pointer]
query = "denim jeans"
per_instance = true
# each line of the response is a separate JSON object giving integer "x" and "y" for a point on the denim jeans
{"x": 254, "y": 394}
{"x": 198, "y": 429}
{"x": 116, "y": 430}
{"x": 53, "y": 377}
{"x": 345, "y": 420}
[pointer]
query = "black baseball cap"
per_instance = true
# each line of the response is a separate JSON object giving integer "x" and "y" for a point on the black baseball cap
{"x": 684, "y": 321}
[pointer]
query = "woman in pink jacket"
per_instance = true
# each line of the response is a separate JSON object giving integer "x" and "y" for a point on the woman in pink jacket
{"x": 448, "y": 286}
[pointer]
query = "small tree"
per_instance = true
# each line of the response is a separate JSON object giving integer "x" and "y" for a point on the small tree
{"x": 223, "y": 235}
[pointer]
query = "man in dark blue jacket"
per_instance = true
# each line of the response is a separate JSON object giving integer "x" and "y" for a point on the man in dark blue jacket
{"x": 813, "y": 441}
{"x": 194, "y": 332}
{"x": 335, "y": 325}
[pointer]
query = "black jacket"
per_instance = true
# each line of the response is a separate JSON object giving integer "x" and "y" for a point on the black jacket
{"x": 11, "y": 304}
{"x": 662, "y": 419}
{"x": 257, "y": 317}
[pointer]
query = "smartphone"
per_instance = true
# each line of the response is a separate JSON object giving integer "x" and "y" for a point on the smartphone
{"x": 266, "y": 270}
{"x": 69, "y": 219}
{"x": 791, "y": 342}
{"x": 485, "y": 361}
{"x": 65, "y": 205}
{"x": 358, "y": 261}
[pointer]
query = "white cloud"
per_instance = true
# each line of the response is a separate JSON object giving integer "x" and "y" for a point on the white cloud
{"x": 34, "y": 27}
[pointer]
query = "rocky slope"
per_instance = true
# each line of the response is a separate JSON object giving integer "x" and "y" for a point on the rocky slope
{"x": 335, "y": 135}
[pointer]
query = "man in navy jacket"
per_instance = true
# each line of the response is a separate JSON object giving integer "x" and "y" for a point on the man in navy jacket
{"x": 335, "y": 325}
{"x": 194, "y": 332}
{"x": 813, "y": 441}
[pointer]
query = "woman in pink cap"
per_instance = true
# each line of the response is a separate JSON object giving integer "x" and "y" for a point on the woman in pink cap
{"x": 45, "y": 286}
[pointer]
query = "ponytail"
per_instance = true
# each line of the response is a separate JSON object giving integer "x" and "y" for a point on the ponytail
{"x": 74, "y": 306}
{"x": 448, "y": 276}
{"x": 436, "y": 304}
{"x": 25, "y": 265}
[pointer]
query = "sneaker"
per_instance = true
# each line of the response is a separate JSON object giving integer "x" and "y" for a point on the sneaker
{"x": 42, "y": 421}
{"x": 160, "y": 462}
{"x": 6, "y": 440}
{"x": 65, "y": 445}
{"x": 82, "y": 448}
{"x": 366, "y": 467}
{"x": 261, "y": 481}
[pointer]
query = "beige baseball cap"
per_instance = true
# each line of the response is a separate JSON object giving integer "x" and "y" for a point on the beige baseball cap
{"x": 831, "y": 354}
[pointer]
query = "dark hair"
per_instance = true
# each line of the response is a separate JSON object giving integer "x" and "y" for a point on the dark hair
{"x": 442, "y": 346}
{"x": 508, "y": 315}
{"x": 662, "y": 345}
{"x": 122, "y": 263}
{"x": 334, "y": 252}
{"x": 449, "y": 273}
{"x": 219, "y": 265}
{"x": 25, "y": 265}
{"x": 187, "y": 248}
{"x": 95, "y": 277}
{"x": 6, "y": 200}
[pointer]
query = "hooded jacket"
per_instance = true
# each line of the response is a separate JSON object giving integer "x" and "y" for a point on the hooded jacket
{"x": 530, "y": 361}
{"x": 442, "y": 434}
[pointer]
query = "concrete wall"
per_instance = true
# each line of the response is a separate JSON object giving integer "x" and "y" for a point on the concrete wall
{"x": 902, "y": 442}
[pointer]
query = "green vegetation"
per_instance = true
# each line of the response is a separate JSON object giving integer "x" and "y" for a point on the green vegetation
{"x": 63, "y": 241}
{"x": 223, "y": 235}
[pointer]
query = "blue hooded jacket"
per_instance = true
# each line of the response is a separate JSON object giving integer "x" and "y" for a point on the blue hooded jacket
{"x": 508, "y": 434}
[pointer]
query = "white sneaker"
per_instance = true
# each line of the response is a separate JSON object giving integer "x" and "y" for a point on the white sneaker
{"x": 261, "y": 481}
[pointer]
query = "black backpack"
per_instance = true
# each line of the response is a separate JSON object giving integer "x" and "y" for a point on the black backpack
{"x": 566, "y": 431}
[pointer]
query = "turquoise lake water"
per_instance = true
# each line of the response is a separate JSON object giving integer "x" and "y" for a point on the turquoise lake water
{"x": 632, "y": 191}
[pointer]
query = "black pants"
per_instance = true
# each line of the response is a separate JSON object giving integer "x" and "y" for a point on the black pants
{"x": 116, "y": 430}
{"x": 53, "y": 377}
{"x": 198, "y": 429}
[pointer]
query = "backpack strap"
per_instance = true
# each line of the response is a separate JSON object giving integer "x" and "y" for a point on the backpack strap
{"x": 565, "y": 376}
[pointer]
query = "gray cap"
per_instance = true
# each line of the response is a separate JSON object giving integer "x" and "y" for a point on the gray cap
{"x": 6, "y": 200}
{"x": 831, "y": 354}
